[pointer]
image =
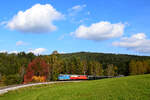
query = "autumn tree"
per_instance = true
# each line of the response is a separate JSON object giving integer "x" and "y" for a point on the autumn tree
{"x": 55, "y": 52}
{"x": 140, "y": 68}
{"x": 54, "y": 66}
{"x": 90, "y": 68}
{"x": 97, "y": 68}
{"x": 37, "y": 67}
{"x": 146, "y": 65}
{"x": 132, "y": 67}
{"x": 84, "y": 65}
{"x": 110, "y": 71}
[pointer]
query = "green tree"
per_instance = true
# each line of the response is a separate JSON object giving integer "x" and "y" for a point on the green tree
{"x": 132, "y": 67}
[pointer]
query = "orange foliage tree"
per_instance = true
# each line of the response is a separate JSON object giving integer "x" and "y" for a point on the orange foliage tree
{"x": 37, "y": 67}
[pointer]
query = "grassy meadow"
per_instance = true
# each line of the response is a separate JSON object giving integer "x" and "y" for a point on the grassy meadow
{"x": 125, "y": 88}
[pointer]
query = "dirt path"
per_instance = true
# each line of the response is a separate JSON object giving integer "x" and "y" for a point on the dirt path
{"x": 10, "y": 88}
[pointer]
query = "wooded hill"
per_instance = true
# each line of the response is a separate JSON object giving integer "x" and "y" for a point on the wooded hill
{"x": 120, "y": 60}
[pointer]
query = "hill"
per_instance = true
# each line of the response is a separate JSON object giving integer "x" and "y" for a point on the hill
{"x": 120, "y": 60}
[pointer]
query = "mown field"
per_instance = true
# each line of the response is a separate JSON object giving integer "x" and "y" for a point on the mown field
{"x": 125, "y": 88}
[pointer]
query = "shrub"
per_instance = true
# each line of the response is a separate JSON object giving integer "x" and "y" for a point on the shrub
{"x": 13, "y": 79}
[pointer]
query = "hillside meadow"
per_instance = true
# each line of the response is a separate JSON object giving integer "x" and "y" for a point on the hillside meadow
{"x": 125, "y": 88}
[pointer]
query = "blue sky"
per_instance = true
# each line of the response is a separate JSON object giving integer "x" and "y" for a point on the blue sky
{"x": 108, "y": 26}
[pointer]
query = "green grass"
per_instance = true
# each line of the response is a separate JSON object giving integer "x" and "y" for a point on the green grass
{"x": 125, "y": 88}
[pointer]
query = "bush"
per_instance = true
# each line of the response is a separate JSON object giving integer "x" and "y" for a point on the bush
{"x": 38, "y": 79}
{"x": 13, "y": 79}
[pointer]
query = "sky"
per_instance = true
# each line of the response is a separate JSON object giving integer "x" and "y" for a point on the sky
{"x": 105, "y": 26}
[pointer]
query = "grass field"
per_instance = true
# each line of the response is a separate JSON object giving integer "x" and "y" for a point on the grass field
{"x": 125, "y": 88}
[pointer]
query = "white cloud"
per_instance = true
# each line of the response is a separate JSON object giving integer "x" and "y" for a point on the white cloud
{"x": 75, "y": 9}
{"x": 13, "y": 52}
{"x": 78, "y": 7}
{"x": 137, "y": 42}
{"x": 62, "y": 52}
{"x": 35, "y": 51}
{"x": 9, "y": 52}
{"x": 78, "y": 14}
{"x": 3, "y": 51}
{"x": 38, "y": 19}
{"x": 20, "y": 43}
{"x": 62, "y": 37}
{"x": 38, "y": 51}
{"x": 99, "y": 31}
{"x": 78, "y": 21}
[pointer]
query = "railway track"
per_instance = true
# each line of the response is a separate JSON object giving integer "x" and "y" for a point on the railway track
{"x": 15, "y": 87}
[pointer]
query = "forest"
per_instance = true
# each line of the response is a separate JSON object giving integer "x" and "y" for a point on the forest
{"x": 27, "y": 68}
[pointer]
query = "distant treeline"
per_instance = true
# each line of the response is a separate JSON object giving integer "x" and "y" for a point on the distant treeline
{"x": 22, "y": 67}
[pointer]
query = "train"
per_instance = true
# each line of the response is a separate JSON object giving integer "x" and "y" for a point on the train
{"x": 63, "y": 77}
